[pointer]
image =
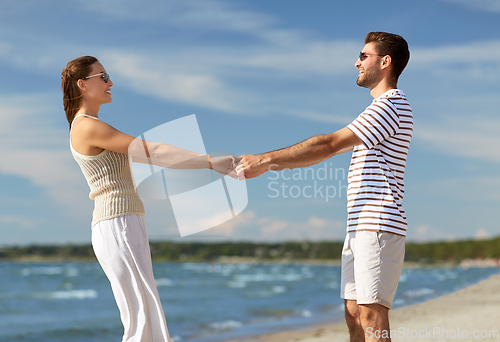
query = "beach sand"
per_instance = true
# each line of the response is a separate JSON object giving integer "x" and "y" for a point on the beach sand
{"x": 471, "y": 314}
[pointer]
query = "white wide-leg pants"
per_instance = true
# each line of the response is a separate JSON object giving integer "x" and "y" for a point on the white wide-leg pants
{"x": 122, "y": 248}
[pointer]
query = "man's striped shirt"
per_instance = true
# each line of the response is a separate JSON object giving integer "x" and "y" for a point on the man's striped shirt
{"x": 376, "y": 186}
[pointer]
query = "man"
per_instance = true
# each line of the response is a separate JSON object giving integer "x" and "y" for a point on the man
{"x": 373, "y": 253}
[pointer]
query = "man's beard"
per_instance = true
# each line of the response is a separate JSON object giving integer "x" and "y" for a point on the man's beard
{"x": 369, "y": 79}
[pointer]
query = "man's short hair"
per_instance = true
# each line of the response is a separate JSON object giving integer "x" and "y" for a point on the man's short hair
{"x": 393, "y": 45}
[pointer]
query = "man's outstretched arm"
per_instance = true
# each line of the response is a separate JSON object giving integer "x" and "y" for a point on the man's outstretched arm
{"x": 306, "y": 153}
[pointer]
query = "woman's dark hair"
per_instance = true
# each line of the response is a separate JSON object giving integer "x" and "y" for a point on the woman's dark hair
{"x": 72, "y": 96}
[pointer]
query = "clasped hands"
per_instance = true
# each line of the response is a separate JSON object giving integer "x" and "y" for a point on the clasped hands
{"x": 244, "y": 167}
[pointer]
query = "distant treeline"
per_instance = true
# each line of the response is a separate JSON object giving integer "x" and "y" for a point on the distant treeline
{"x": 453, "y": 251}
{"x": 197, "y": 251}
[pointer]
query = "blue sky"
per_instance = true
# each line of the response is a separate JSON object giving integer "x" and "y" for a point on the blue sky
{"x": 259, "y": 75}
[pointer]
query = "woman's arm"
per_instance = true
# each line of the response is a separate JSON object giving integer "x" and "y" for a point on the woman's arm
{"x": 99, "y": 134}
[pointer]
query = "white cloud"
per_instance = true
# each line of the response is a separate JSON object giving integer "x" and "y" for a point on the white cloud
{"x": 207, "y": 14}
{"x": 217, "y": 75}
{"x": 276, "y": 48}
{"x": 249, "y": 226}
{"x": 307, "y": 56}
{"x": 173, "y": 79}
{"x": 484, "y": 5}
{"x": 31, "y": 147}
{"x": 217, "y": 78}
{"x": 482, "y": 234}
{"x": 426, "y": 233}
{"x": 475, "y": 139}
{"x": 480, "y": 51}
{"x": 476, "y": 61}
{"x": 459, "y": 120}
{"x": 201, "y": 16}
{"x": 5, "y": 48}
{"x": 270, "y": 228}
{"x": 472, "y": 189}
{"x": 234, "y": 78}
{"x": 16, "y": 221}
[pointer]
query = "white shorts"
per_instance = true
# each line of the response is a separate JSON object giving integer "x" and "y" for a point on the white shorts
{"x": 371, "y": 266}
{"x": 122, "y": 248}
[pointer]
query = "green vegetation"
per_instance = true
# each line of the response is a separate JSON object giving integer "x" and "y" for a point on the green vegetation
{"x": 318, "y": 251}
{"x": 453, "y": 251}
{"x": 36, "y": 253}
{"x": 169, "y": 251}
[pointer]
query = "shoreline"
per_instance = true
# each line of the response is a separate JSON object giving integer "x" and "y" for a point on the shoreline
{"x": 466, "y": 263}
{"x": 469, "y": 314}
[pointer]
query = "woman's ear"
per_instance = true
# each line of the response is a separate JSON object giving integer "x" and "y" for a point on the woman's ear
{"x": 81, "y": 84}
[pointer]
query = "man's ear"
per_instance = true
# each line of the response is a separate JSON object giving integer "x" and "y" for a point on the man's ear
{"x": 386, "y": 61}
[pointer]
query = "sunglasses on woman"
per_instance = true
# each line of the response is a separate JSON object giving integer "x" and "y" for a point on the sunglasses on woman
{"x": 104, "y": 76}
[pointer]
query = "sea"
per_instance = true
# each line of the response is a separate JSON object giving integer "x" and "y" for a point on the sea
{"x": 203, "y": 302}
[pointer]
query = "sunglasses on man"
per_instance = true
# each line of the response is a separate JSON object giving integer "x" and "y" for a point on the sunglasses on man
{"x": 104, "y": 76}
{"x": 363, "y": 56}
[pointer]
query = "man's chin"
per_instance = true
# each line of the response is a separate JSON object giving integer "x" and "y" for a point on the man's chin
{"x": 365, "y": 83}
{"x": 361, "y": 83}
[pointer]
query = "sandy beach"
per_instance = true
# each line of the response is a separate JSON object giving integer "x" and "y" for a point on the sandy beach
{"x": 471, "y": 314}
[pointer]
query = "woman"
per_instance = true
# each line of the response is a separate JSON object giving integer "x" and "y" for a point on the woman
{"x": 119, "y": 235}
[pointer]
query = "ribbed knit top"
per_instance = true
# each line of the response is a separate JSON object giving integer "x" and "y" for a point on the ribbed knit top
{"x": 111, "y": 184}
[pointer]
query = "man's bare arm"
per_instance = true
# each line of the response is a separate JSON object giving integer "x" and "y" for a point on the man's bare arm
{"x": 306, "y": 153}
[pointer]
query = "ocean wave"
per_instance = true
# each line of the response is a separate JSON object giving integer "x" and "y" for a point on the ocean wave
{"x": 224, "y": 269}
{"x": 306, "y": 313}
{"x": 446, "y": 275}
{"x": 267, "y": 293}
{"x": 48, "y": 270}
{"x": 71, "y": 272}
{"x": 70, "y": 294}
{"x": 279, "y": 289}
{"x": 262, "y": 277}
{"x": 225, "y": 325}
{"x": 191, "y": 266}
{"x": 333, "y": 285}
{"x": 237, "y": 284}
{"x": 163, "y": 282}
